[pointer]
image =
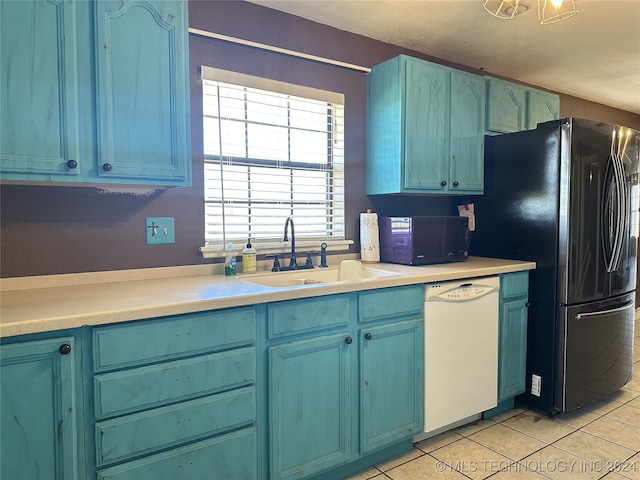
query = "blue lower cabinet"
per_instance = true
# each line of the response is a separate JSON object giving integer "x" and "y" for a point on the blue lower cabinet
{"x": 346, "y": 389}
{"x": 311, "y": 405}
{"x": 512, "y": 339}
{"x": 175, "y": 397}
{"x": 391, "y": 379}
{"x": 39, "y": 433}
{"x": 226, "y": 457}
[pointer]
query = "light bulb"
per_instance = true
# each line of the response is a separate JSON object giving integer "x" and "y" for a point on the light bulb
{"x": 557, "y": 3}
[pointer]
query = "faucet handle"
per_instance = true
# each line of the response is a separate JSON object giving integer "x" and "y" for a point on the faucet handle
{"x": 309, "y": 261}
{"x": 276, "y": 262}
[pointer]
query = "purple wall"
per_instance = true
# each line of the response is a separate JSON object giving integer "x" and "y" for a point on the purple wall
{"x": 50, "y": 230}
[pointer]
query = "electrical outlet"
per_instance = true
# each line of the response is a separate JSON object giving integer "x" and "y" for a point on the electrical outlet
{"x": 160, "y": 230}
{"x": 536, "y": 384}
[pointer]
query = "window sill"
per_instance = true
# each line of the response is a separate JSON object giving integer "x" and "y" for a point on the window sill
{"x": 263, "y": 248}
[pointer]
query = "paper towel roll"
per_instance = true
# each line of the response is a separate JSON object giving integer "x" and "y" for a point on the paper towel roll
{"x": 369, "y": 238}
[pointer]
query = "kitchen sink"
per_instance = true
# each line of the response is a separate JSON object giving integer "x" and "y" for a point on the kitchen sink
{"x": 349, "y": 270}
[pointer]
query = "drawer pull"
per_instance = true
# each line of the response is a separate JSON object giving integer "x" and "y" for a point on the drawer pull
{"x": 65, "y": 349}
{"x": 348, "y": 340}
{"x": 368, "y": 336}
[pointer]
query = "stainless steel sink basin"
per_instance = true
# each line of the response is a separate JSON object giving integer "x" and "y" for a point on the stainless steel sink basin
{"x": 348, "y": 271}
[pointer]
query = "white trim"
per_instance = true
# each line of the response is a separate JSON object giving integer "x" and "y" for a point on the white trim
{"x": 284, "y": 248}
{"x": 285, "y": 51}
{"x": 263, "y": 83}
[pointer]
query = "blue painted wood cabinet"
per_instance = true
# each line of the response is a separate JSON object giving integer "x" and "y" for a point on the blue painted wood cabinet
{"x": 512, "y": 339}
{"x": 40, "y": 407}
{"x": 345, "y": 379}
{"x": 95, "y": 92}
{"x": 425, "y": 129}
{"x": 39, "y": 124}
{"x": 512, "y": 107}
{"x": 176, "y": 397}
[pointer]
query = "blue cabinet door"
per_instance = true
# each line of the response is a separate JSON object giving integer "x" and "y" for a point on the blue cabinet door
{"x": 512, "y": 337}
{"x": 506, "y": 106}
{"x": 39, "y": 90}
{"x": 512, "y": 348}
{"x": 311, "y": 405}
{"x": 142, "y": 91}
{"x": 426, "y": 148}
{"x": 541, "y": 107}
{"x": 467, "y": 133}
{"x": 38, "y": 398}
{"x": 391, "y": 383}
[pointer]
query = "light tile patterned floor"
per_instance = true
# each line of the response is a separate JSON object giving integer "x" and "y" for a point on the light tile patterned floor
{"x": 599, "y": 442}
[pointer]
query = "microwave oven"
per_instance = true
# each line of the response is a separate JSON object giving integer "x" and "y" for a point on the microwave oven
{"x": 424, "y": 240}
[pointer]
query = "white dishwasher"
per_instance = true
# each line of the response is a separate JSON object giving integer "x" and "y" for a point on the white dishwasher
{"x": 461, "y": 351}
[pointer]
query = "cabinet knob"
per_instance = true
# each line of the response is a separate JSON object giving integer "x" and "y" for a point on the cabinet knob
{"x": 455, "y": 184}
{"x": 71, "y": 164}
{"x": 65, "y": 349}
{"x": 106, "y": 167}
{"x": 368, "y": 336}
{"x": 348, "y": 340}
{"x": 443, "y": 183}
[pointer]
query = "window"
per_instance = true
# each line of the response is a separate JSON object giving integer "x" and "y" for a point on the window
{"x": 271, "y": 153}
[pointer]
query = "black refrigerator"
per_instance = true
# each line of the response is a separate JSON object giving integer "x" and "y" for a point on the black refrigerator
{"x": 565, "y": 195}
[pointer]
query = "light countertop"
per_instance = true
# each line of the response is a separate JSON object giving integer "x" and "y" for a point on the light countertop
{"x": 31, "y": 305}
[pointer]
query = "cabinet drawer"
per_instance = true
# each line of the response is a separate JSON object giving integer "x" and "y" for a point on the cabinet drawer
{"x": 299, "y": 316}
{"x": 388, "y": 303}
{"x": 154, "y": 385}
{"x": 147, "y": 341}
{"x": 230, "y": 456}
{"x": 514, "y": 284}
{"x": 151, "y": 430}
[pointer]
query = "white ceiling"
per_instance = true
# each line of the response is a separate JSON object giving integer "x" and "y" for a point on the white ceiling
{"x": 594, "y": 55}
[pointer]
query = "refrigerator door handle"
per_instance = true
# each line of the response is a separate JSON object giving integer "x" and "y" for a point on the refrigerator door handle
{"x": 614, "y": 212}
{"x": 621, "y": 202}
{"x": 601, "y": 312}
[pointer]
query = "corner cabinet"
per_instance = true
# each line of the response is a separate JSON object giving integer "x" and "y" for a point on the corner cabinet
{"x": 39, "y": 434}
{"x": 512, "y": 107}
{"x": 425, "y": 129}
{"x": 115, "y": 105}
{"x": 345, "y": 380}
{"x": 512, "y": 339}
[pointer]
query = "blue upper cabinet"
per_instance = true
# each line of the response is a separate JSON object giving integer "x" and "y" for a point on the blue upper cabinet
{"x": 541, "y": 107}
{"x": 512, "y": 107}
{"x": 96, "y": 92}
{"x": 506, "y": 106}
{"x": 142, "y": 90}
{"x": 467, "y": 133}
{"x": 425, "y": 129}
{"x": 39, "y": 90}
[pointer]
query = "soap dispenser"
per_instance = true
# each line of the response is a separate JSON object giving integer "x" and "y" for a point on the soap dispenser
{"x": 230, "y": 262}
{"x": 249, "y": 258}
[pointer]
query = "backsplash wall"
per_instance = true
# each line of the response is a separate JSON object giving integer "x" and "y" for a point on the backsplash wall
{"x": 50, "y": 230}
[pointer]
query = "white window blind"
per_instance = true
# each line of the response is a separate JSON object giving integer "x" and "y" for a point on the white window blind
{"x": 271, "y": 153}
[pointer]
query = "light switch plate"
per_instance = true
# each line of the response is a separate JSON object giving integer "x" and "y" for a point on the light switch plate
{"x": 160, "y": 230}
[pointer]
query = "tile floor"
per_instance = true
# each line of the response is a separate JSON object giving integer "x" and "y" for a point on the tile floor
{"x": 600, "y": 442}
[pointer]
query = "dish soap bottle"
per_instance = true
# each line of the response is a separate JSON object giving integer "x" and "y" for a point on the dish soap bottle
{"x": 249, "y": 258}
{"x": 230, "y": 262}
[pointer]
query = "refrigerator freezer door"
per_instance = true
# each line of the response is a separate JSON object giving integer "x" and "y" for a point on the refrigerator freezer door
{"x": 598, "y": 356}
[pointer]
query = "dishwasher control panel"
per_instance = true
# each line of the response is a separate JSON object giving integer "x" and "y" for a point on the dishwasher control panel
{"x": 461, "y": 291}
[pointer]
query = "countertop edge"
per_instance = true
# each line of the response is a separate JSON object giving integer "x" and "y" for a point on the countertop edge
{"x": 61, "y": 308}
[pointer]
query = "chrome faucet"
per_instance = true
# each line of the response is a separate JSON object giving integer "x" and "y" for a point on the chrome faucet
{"x": 292, "y": 263}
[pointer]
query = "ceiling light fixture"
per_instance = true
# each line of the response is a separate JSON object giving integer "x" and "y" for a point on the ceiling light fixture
{"x": 549, "y": 11}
